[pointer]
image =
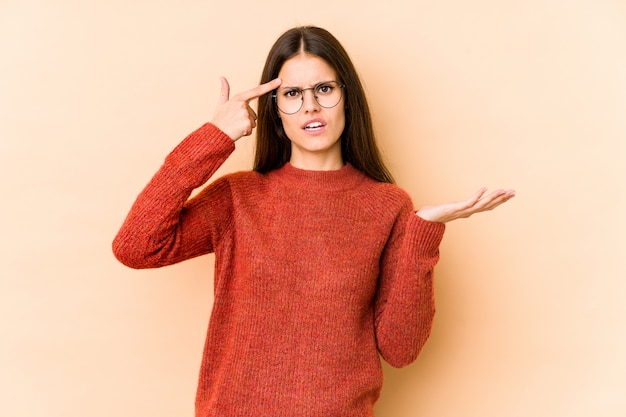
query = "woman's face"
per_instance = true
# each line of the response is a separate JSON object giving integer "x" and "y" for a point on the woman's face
{"x": 314, "y": 130}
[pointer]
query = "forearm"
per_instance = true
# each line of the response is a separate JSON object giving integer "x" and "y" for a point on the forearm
{"x": 405, "y": 304}
{"x": 157, "y": 230}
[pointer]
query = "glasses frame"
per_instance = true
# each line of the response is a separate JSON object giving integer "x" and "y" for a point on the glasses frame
{"x": 302, "y": 90}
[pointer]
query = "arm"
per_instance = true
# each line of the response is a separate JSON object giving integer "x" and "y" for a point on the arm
{"x": 404, "y": 305}
{"x": 162, "y": 227}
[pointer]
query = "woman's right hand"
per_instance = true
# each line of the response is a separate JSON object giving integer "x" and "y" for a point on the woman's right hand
{"x": 234, "y": 116}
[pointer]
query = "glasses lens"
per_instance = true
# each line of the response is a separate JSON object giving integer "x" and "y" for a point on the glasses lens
{"x": 289, "y": 100}
{"x": 328, "y": 94}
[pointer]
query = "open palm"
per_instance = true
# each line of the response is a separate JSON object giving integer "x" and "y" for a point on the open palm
{"x": 479, "y": 202}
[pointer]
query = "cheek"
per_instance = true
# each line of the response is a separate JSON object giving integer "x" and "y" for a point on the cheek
{"x": 288, "y": 125}
{"x": 341, "y": 121}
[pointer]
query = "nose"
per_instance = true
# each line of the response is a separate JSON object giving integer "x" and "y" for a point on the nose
{"x": 309, "y": 102}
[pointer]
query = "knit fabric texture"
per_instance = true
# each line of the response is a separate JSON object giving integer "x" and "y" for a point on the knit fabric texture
{"x": 317, "y": 275}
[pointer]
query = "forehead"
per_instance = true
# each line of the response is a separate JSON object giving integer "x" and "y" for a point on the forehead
{"x": 304, "y": 70}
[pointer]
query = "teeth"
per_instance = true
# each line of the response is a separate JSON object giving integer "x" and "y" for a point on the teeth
{"x": 313, "y": 125}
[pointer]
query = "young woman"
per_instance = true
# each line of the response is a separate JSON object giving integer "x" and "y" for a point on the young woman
{"x": 321, "y": 263}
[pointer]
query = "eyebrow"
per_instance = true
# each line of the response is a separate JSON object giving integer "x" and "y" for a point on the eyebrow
{"x": 313, "y": 86}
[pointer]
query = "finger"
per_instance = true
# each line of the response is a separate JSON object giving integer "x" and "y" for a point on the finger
{"x": 488, "y": 200}
{"x": 225, "y": 91}
{"x": 503, "y": 197}
{"x": 471, "y": 202}
{"x": 494, "y": 200}
{"x": 252, "y": 113}
{"x": 480, "y": 193}
{"x": 253, "y": 119}
{"x": 259, "y": 90}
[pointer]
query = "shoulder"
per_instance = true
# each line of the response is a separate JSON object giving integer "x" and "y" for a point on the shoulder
{"x": 243, "y": 177}
{"x": 245, "y": 184}
{"x": 384, "y": 200}
{"x": 386, "y": 192}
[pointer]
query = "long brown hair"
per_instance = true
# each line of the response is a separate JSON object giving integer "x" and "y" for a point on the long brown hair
{"x": 358, "y": 142}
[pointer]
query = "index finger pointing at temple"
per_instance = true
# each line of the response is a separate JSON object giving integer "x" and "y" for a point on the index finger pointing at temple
{"x": 259, "y": 90}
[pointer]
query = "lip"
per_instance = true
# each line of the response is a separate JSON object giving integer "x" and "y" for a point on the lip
{"x": 323, "y": 124}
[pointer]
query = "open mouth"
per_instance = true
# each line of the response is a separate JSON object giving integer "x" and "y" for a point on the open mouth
{"x": 314, "y": 126}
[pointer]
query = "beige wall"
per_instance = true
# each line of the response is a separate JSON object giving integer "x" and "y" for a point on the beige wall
{"x": 528, "y": 94}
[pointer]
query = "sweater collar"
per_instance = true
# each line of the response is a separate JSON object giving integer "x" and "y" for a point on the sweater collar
{"x": 334, "y": 180}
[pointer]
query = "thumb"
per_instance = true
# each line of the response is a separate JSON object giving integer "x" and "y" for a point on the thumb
{"x": 225, "y": 91}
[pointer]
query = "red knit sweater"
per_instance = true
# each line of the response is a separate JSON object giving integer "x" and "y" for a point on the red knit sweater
{"x": 316, "y": 274}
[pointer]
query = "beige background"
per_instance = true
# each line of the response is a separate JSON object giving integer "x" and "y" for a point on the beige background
{"x": 527, "y": 94}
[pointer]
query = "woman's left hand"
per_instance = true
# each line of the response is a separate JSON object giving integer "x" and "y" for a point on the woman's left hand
{"x": 479, "y": 202}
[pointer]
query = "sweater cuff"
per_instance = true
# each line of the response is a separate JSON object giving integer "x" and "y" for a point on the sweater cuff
{"x": 424, "y": 236}
{"x": 204, "y": 144}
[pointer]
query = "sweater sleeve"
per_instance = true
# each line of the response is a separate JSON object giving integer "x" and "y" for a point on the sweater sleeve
{"x": 404, "y": 305}
{"x": 164, "y": 226}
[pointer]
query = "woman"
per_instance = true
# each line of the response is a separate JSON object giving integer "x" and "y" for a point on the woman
{"x": 321, "y": 263}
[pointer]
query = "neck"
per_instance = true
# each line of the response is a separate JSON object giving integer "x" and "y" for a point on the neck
{"x": 329, "y": 180}
{"x": 317, "y": 162}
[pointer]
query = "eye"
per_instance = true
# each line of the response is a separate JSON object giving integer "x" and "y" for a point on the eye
{"x": 292, "y": 93}
{"x": 324, "y": 89}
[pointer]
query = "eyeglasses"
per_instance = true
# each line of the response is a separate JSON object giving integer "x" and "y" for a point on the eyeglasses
{"x": 327, "y": 94}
